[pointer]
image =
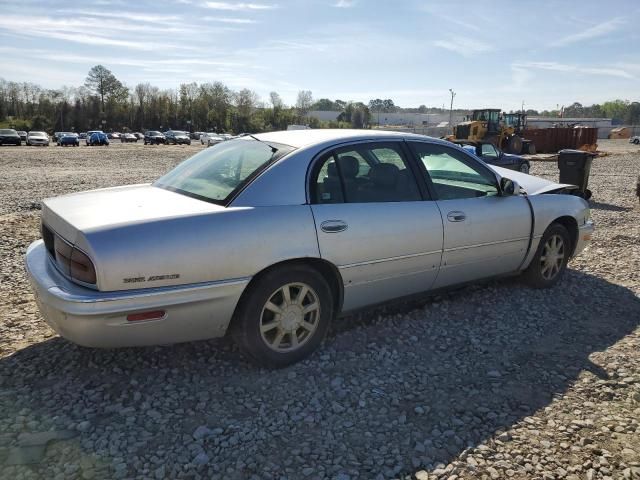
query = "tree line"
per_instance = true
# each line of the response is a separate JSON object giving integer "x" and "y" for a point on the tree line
{"x": 104, "y": 102}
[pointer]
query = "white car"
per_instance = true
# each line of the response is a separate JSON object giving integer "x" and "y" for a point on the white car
{"x": 635, "y": 140}
{"x": 204, "y": 138}
{"x": 271, "y": 236}
{"x": 37, "y": 138}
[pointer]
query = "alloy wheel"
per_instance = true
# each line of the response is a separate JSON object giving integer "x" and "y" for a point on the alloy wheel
{"x": 290, "y": 317}
{"x": 552, "y": 257}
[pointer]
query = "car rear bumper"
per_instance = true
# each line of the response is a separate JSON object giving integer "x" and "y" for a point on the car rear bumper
{"x": 99, "y": 319}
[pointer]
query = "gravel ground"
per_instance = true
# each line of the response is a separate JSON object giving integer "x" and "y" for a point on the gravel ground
{"x": 492, "y": 381}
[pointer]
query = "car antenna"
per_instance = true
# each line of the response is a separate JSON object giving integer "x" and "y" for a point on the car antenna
{"x": 273, "y": 149}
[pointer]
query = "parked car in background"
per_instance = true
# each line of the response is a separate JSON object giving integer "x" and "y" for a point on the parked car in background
{"x": 214, "y": 139}
{"x": 635, "y": 140}
{"x": 83, "y": 135}
{"x": 494, "y": 156}
{"x": 55, "y": 135}
{"x": 139, "y": 136}
{"x": 195, "y": 135}
{"x": 177, "y": 137}
{"x": 204, "y": 137}
{"x": 128, "y": 138}
{"x": 97, "y": 139}
{"x": 271, "y": 236}
{"x": 153, "y": 137}
{"x": 23, "y": 135}
{"x": 89, "y": 133}
{"x": 113, "y": 136}
{"x": 59, "y": 136}
{"x": 69, "y": 139}
{"x": 38, "y": 138}
{"x": 8, "y": 136}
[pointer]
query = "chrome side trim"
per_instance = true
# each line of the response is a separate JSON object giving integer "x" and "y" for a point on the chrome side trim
{"x": 466, "y": 247}
{"x": 389, "y": 259}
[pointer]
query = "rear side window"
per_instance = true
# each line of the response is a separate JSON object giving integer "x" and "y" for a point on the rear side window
{"x": 365, "y": 173}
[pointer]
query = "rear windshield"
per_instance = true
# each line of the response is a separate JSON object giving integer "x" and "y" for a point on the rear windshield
{"x": 217, "y": 173}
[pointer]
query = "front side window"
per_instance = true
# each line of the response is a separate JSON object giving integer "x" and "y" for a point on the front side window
{"x": 453, "y": 174}
{"x": 489, "y": 150}
{"x": 215, "y": 174}
{"x": 364, "y": 173}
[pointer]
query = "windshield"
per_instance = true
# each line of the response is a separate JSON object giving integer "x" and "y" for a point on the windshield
{"x": 37, "y": 134}
{"x": 215, "y": 174}
{"x": 7, "y": 132}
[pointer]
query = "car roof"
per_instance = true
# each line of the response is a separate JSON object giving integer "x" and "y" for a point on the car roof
{"x": 310, "y": 137}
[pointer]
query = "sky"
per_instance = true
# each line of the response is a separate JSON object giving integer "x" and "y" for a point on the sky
{"x": 491, "y": 53}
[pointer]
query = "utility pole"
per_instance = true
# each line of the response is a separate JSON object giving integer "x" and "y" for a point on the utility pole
{"x": 522, "y": 106}
{"x": 453, "y": 94}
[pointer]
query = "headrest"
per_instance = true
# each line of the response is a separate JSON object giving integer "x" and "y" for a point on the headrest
{"x": 332, "y": 170}
{"x": 349, "y": 166}
{"x": 385, "y": 174}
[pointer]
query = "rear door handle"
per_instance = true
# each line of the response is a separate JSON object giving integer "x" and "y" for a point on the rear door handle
{"x": 333, "y": 226}
{"x": 456, "y": 216}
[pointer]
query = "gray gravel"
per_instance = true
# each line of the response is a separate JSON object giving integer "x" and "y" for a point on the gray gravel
{"x": 492, "y": 381}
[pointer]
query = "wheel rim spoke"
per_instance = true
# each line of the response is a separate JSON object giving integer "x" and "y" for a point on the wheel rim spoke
{"x": 267, "y": 327}
{"x": 272, "y": 307}
{"x": 286, "y": 294}
{"x": 310, "y": 308}
{"x": 301, "y": 294}
{"x": 294, "y": 339}
{"x": 307, "y": 326}
{"x": 278, "y": 339}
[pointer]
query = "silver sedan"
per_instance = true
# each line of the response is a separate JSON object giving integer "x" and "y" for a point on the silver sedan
{"x": 272, "y": 236}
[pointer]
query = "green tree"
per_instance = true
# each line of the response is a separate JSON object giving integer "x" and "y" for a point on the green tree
{"x": 104, "y": 84}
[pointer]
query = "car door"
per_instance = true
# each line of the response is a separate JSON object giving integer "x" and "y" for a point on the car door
{"x": 485, "y": 234}
{"x": 375, "y": 223}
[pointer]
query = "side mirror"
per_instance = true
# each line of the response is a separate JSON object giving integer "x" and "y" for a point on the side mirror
{"x": 509, "y": 187}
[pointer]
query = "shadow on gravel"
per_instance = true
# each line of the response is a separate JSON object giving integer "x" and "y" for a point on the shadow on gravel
{"x": 608, "y": 207}
{"x": 393, "y": 390}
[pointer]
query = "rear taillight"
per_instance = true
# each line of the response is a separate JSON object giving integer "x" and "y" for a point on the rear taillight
{"x": 62, "y": 251}
{"x": 73, "y": 262}
{"x": 82, "y": 268}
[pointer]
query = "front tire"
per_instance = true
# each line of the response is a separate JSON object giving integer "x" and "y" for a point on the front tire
{"x": 550, "y": 260}
{"x": 636, "y": 141}
{"x": 284, "y": 316}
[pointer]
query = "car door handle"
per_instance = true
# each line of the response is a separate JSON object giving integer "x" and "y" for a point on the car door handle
{"x": 333, "y": 226}
{"x": 456, "y": 216}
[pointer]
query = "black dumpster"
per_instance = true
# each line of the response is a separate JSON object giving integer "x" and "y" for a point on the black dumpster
{"x": 575, "y": 166}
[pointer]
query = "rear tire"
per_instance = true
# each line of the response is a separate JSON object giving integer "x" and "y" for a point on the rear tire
{"x": 550, "y": 260}
{"x": 636, "y": 141}
{"x": 514, "y": 144}
{"x": 284, "y": 316}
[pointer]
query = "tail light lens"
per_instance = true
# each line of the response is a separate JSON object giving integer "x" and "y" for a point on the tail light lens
{"x": 82, "y": 268}
{"x": 73, "y": 262}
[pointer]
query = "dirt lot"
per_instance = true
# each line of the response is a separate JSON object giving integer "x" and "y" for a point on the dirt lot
{"x": 493, "y": 381}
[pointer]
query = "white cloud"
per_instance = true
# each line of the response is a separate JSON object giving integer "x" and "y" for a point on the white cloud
{"x": 239, "y": 6}
{"x": 345, "y": 3}
{"x": 238, "y": 21}
{"x": 568, "y": 68}
{"x": 599, "y": 30}
{"x": 464, "y": 46}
